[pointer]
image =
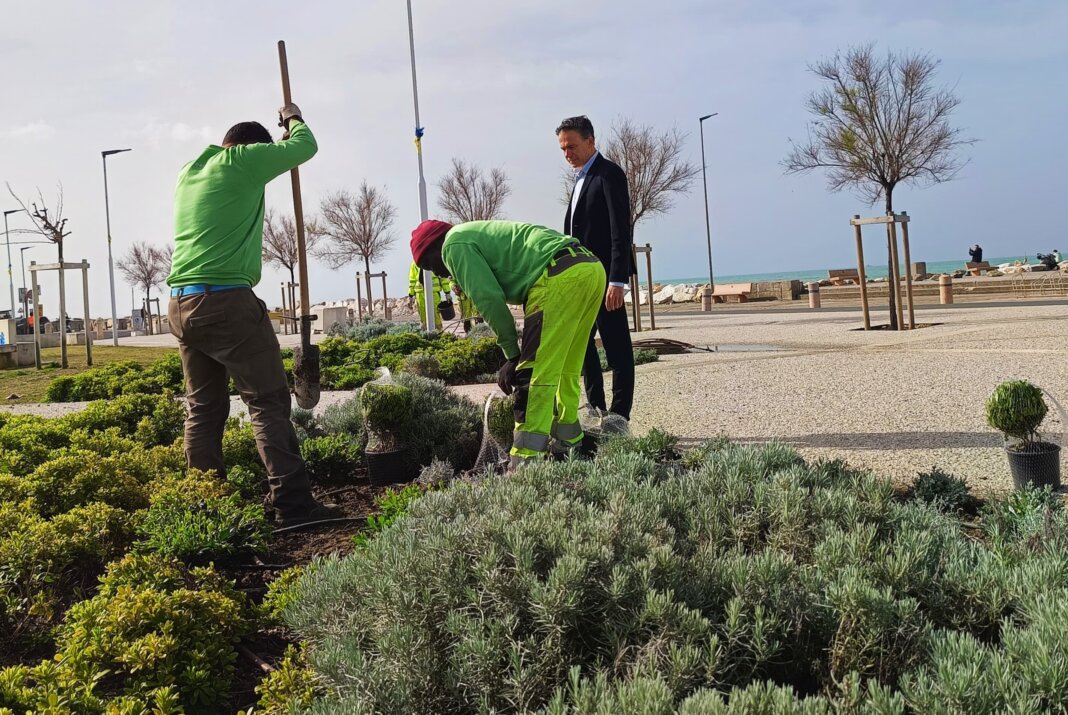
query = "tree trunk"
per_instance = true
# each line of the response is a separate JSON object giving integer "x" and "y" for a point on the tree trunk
{"x": 148, "y": 312}
{"x": 293, "y": 296}
{"x": 62, "y": 308}
{"x": 367, "y": 279}
{"x": 890, "y": 262}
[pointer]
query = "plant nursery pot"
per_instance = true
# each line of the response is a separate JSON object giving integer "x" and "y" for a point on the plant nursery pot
{"x": 446, "y": 310}
{"x": 1038, "y": 464}
{"x": 385, "y": 468}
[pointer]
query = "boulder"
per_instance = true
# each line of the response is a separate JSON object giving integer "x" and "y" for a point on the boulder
{"x": 643, "y": 297}
{"x": 664, "y": 296}
{"x": 683, "y": 293}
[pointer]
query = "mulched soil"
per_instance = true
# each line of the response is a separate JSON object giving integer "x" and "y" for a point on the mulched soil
{"x": 287, "y": 549}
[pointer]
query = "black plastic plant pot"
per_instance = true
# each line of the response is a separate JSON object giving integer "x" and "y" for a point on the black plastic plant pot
{"x": 446, "y": 310}
{"x": 1037, "y": 464}
{"x": 385, "y": 468}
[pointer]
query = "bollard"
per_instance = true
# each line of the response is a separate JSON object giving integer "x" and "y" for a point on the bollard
{"x": 813, "y": 295}
{"x": 945, "y": 290}
{"x": 706, "y": 300}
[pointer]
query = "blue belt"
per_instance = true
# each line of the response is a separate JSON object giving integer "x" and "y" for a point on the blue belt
{"x": 200, "y": 288}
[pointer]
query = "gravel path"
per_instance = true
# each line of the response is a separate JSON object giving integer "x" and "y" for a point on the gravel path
{"x": 896, "y": 403}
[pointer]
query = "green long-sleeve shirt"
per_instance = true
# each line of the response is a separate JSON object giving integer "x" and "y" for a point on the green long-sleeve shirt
{"x": 495, "y": 263}
{"x": 218, "y": 209}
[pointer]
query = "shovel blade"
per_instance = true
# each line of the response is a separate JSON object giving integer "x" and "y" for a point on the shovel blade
{"x": 306, "y": 375}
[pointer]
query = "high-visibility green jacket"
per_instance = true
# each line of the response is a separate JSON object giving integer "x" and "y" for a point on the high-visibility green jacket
{"x": 495, "y": 263}
{"x": 415, "y": 282}
{"x": 218, "y": 209}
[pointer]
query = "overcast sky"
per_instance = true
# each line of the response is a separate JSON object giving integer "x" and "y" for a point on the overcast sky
{"x": 167, "y": 78}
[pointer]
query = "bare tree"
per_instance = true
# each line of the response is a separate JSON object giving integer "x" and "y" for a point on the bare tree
{"x": 146, "y": 267}
{"x": 653, "y": 163}
{"x": 468, "y": 195}
{"x": 280, "y": 241}
{"x": 879, "y": 123}
{"x": 355, "y": 227}
{"x": 53, "y": 227}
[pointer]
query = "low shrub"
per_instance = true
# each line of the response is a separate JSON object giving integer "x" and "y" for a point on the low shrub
{"x": 119, "y": 378}
{"x": 239, "y": 447}
{"x": 288, "y": 688}
{"x": 369, "y": 328}
{"x": 392, "y": 505}
{"x": 149, "y": 419}
{"x": 387, "y": 408}
{"x": 747, "y": 581}
{"x": 77, "y": 477}
{"x": 442, "y": 425}
{"x": 154, "y": 632}
{"x": 642, "y": 356}
{"x": 332, "y": 458}
{"x": 423, "y": 365}
{"x": 655, "y": 445}
{"x": 944, "y": 491}
{"x": 199, "y": 529}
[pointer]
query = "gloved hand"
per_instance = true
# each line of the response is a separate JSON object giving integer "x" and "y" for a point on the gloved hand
{"x": 506, "y": 376}
{"x": 287, "y": 112}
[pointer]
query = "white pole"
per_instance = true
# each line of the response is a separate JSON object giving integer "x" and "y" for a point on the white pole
{"x": 10, "y": 277}
{"x": 428, "y": 277}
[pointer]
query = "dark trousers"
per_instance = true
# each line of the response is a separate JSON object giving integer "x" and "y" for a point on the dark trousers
{"x": 614, "y": 330}
{"x": 229, "y": 335}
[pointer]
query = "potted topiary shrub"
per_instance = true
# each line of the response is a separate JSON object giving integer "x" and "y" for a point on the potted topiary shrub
{"x": 1017, "y": 409}
{"x": 500, "y": 422}
{"x": 386, "y": 408}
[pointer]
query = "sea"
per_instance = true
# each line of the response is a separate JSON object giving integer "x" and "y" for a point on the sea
{"x": 871, "y": 271}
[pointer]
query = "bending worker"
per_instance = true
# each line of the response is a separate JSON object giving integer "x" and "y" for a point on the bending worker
{"x": 561, "y": 286}
{"x": 416, "y": 291}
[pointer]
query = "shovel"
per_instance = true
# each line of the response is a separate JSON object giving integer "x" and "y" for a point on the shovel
{"x": 305, "y": 355}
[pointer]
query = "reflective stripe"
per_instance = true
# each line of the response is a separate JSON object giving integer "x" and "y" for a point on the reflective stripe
{"x": 568, "y": 433}
{"x": 530, "y": 440}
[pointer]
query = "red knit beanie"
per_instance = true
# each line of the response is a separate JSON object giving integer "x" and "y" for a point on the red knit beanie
{"x": 425, "y": 234}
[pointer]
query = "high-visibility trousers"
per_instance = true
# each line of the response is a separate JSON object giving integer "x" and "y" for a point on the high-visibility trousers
{"x": 420, "y": 300}
{"x": 558, "y": 317}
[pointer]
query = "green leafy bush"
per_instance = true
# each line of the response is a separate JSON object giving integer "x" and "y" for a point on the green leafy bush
{"x": 239, "y": 447}
{"x": 386, "y": 409}
{"x": 119, "y": 378}
{"x": 392, "y": 505}
{"x": 198, "y": 530}
{"x": 152, "y": 628}
{"x": 77, "y": 477}
{"x": 289, "y": 688}
{"x": 149, "y": 419}
{"x": 332, "y": 458}
{"x": 655, "y": 445}
{"x": 572, "y": 585}
{"x": 45, "y": 563}
{"x": 442, "y": 425}
{"x": 501, "y": 422}
{"x": 280, "y": 593}
{"x": 422, "y": 364}
{"x": 1017, "y": 409}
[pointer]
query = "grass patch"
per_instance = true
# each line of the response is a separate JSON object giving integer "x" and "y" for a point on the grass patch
{"x": 31, "y": 384}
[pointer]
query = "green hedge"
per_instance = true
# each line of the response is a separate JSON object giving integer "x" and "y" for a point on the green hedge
{"x": 735, "y": 579}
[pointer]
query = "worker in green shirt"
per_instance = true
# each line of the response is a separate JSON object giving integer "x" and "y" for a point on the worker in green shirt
{"x": 418, "y": 294}
{"x": 560, "y": 285}
{"x": 223, "y": 329}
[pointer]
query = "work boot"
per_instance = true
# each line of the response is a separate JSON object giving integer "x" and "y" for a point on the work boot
{"x": 316, "y": 511}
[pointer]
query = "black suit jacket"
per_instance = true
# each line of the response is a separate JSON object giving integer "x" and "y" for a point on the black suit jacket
{"x": 602, "y": 219}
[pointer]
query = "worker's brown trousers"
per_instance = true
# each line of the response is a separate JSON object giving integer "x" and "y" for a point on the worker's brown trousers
{"x": 228, "y": 334}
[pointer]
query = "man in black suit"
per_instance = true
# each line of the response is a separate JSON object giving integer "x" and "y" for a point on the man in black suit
{"x": 599, "y": 216}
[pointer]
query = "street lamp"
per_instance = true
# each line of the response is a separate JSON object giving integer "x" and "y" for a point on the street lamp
{"x": 704, "y": 180}
{"x": 10, "y": 278}
{"x": 428, "y": 278}
{"x": 111, "y": 268}
{"x": 25, "y": 299}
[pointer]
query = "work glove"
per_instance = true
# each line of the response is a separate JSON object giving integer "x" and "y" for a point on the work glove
{"x": 506, "y": 375}
{"x": 287, "y": 112}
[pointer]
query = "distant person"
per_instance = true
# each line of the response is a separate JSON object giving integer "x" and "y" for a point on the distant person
{"x": 223, "y": 330}
{"x": 1057, "y": 256}
{"x": 976, "y": 252}
{"x": 599, "y": 217}
{"x": 417, "y": 294}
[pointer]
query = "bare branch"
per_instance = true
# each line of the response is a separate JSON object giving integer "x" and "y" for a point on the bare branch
{"x": 145, "y": 265}
{"x": 51, "y": 225}
{"x": 355, "y": 226}
{"x": 468, "y": 195}
{"x": 879, "y": 123}
{"x": 653, "y": 163}
{"x": 280, "y": 239}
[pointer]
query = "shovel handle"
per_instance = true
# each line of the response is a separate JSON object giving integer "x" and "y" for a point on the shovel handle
{"x": 298, "y": 207}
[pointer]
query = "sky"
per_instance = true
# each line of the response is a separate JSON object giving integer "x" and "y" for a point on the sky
{"x": 167, "y": 78}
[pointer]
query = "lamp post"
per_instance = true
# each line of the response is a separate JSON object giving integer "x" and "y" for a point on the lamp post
{"x": 25, "y": 300}
{"x": 704, "y": 180}
{"x": 428, "y": 278}
{"x": 111, "y": 266}
{"x": 10, "y": 278}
